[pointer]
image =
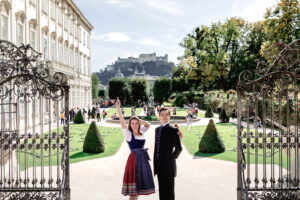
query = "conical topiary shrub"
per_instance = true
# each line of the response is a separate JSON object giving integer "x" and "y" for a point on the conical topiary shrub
{"x": 93, "y": 113}
{"x": 211, "y": 142}
{"x": 93, "y": 142}
{"x": 209, "y": 113}
{"x": 233, "y": 114}
{"x": 79, "y": 119}
{"x": 223, "y": 116}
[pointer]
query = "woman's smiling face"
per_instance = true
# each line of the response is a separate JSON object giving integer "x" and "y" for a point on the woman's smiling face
{"x": 134, "y": 124}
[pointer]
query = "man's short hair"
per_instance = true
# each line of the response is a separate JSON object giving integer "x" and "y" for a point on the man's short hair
{"x": 164, "y": 109}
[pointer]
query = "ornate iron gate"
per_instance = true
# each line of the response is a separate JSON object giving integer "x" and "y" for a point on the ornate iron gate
{"x": 268, "y": 127}
{"x": 34, "y": 148}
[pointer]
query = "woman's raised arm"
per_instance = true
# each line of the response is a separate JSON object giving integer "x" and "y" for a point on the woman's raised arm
{"x": 118, "y": 105}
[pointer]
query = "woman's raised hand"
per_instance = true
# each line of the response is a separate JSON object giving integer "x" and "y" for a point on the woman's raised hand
{"x": 118, "y": 103}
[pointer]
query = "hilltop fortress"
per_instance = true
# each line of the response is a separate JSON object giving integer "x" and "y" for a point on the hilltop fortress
{"x": 145, "y": 65}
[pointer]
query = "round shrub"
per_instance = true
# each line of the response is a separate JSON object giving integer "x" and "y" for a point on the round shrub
{"x": 79, "y": 119}
{"x": 93, "y": 142}
{"x": 211, "y": 142}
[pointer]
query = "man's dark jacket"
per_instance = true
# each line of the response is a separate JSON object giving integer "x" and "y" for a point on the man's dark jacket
{"x": 169, "y": 150}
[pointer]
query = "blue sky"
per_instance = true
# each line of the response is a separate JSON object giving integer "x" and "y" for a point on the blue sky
{"x": 124, "y": 28}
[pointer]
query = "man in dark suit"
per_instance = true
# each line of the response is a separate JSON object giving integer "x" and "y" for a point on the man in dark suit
{"x": 167, "y": 149}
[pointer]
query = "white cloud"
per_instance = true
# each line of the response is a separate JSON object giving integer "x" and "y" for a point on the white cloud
{"x": 251, "y": 10}
{"x": 122, "y": 4}
{"x": 167, "y": 6}
{"x": 111, "y": 37}
{"x": 149, "y": 42}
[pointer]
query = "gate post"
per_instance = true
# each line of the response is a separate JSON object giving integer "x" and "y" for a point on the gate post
{"x": 239, "y": 159}
{"x": 68, "y": 190}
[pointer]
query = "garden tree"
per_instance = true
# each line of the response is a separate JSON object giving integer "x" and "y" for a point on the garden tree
{"x": 283, "y": 22}
{"x": 119, "y": 87}
{"x": 93, "y": 142}
{"x": 179, "y": 83}
{"x": 211, "y": 142}
{"x": 216, "y": 54}
{"x": 95, "y": 85}
{"x": 161, "y": 89}
{"x": 209, "y": 112}
{"x": 79, "y": 118}
{"x": 213, "y": 48}
{"x": 223, "y": 116}
{"x": 102, "y": 93}
{"x": 250, "y": 51}
{"x": 139, "y": 90}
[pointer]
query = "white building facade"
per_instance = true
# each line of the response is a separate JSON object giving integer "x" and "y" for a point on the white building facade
{"x": 58, "y": 30}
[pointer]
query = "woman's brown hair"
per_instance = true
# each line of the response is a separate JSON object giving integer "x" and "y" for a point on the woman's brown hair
{"x": 129, "y": 125}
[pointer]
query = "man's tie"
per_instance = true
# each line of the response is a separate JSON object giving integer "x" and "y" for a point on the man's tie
{"x": 158, "y": 140}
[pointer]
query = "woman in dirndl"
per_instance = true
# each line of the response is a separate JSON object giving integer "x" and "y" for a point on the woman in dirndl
{"x": 138, "y": 178}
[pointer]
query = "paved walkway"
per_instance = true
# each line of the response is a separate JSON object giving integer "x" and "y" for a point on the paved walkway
{"x": 198, "y": 178}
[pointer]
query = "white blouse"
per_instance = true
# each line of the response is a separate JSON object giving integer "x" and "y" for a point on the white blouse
{"x": 127, "y": 133}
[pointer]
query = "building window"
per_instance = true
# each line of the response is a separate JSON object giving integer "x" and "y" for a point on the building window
{"x": 20, "y": 34}
{"x": 76, "y": 31}
{"x": 81, "y": 64}
{"x": 79, "y": 36}
{"x": 83, "y": 38}
{"x": 66, "y": 56}
{"x": 53, "y": 15}
{"x": 76, "y": 61}
{"x": 45, "y": 6}
{"x": 33, "y": 2}
{"x": 89, "y": 67}
{"x": 66, "y": 22}
{"x": 71, "y": 26}
{"x": 60, "y": 16}
{"x": 72, "y": 57}
{"x": 4, "y": 27}
{"x": 85, "y": 65}
{"x": 45, "y": 47}
{"x": 73, "y": 99}
{"x": 32, "y": 38}
{"x": 53, "y": 49}
{"x": 60, "y": 51}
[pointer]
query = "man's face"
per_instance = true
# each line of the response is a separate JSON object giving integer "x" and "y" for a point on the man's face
{"x": 164, "y": 116}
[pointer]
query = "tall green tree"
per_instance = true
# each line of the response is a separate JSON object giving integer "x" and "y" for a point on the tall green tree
{"x": 213, "y": 48}
{"x": 216, "y": 54}
{"x": 95, "y": 86}
{"x": 119, "y": 87}
{"x": 139, "y": 90}
{"x": 162, "y": 89}
{"x": 282, "y": 24}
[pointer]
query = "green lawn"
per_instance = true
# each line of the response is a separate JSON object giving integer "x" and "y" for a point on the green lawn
{"x": 111, "y": 111}
{"x": 228, "y": 133}
{"x": 113, "y": 138}
{"x": 182, "y": 112}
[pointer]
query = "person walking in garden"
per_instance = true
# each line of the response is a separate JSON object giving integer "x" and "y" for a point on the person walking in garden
{"x": 189, "y": 119}
{"x": 166, "y": 150}
{"x": 104, "y": 113}
{"x": 180, "y": 133}
{"x": 62, "y": 118}
{"x": 123, "y": 111}
{"x": 138, "y": 179}
{"x": 98, "y": 114}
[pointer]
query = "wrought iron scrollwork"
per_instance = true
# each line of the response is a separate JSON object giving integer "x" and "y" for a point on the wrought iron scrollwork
{"x": 29, "y": 76}
{"x": 29, "y": 195}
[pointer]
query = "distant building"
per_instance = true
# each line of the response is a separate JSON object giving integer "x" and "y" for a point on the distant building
{"x": 145, "y": 65}
{"x": 119, "y": 74}
{"x": 142, "y": 58}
